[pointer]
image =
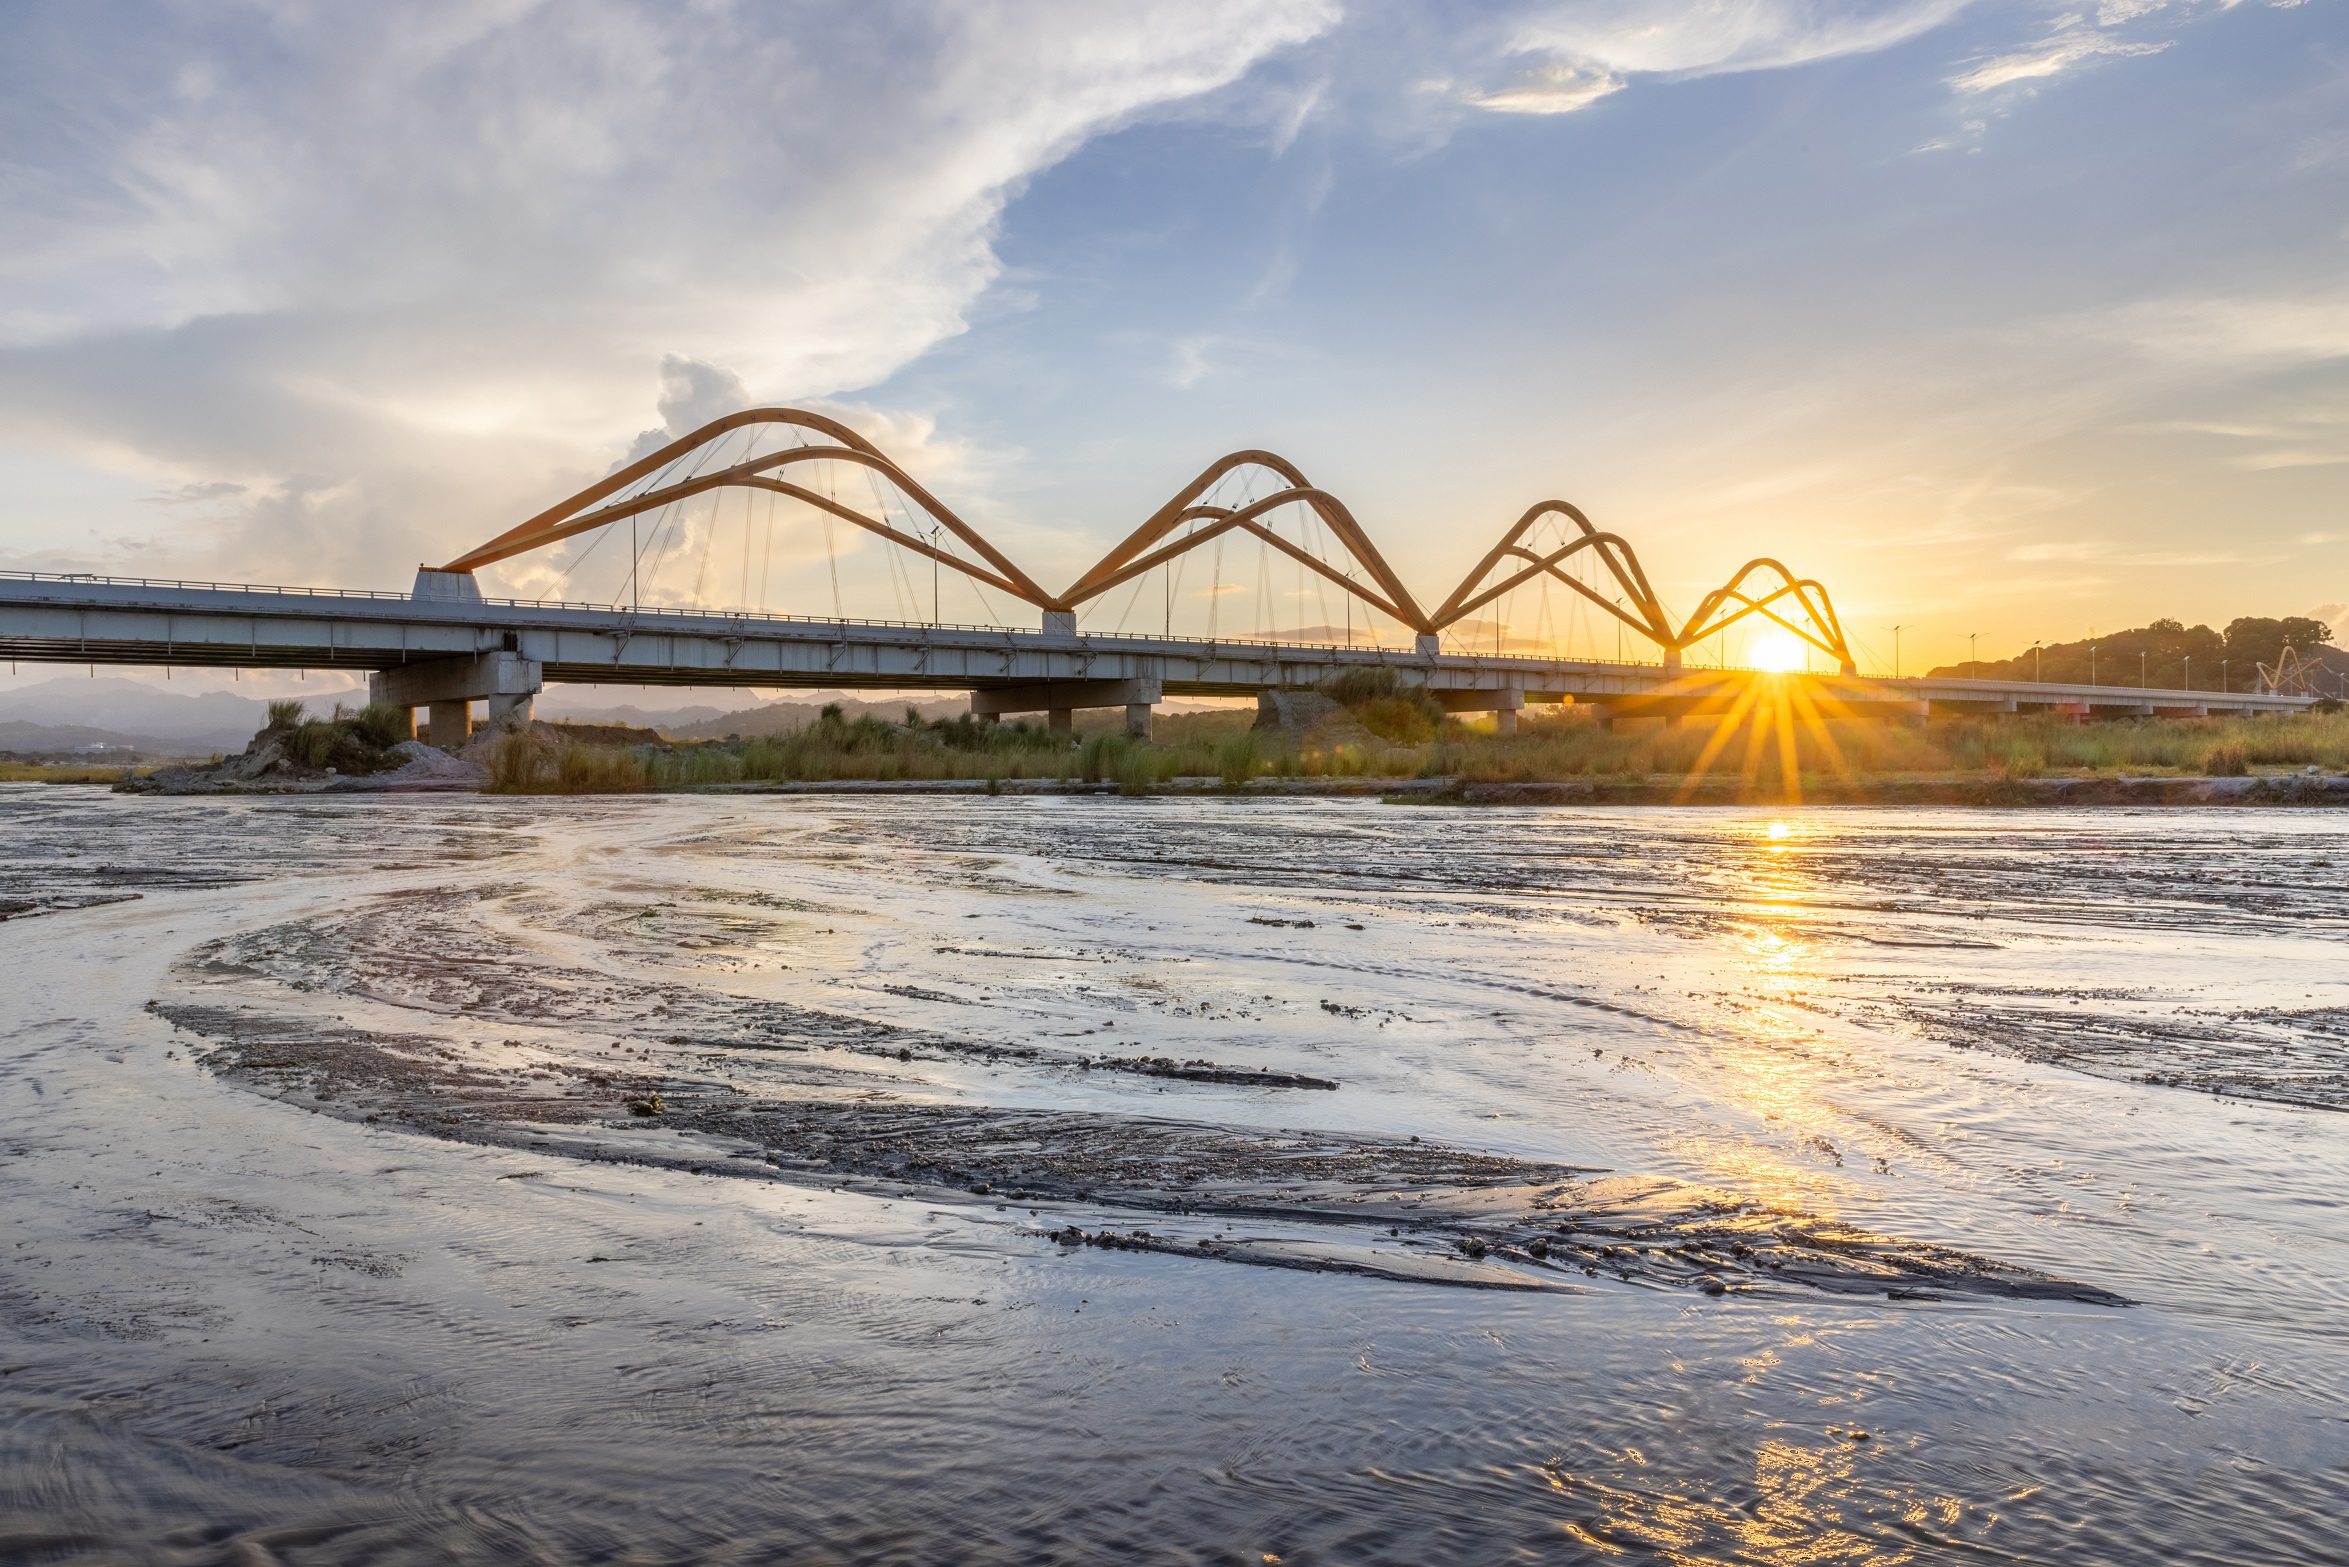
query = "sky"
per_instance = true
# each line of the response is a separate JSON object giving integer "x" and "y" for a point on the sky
{"x": 2006, "y": 320}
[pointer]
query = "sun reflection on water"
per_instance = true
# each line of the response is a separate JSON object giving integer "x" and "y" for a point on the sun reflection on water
{"x": 1775, "y": 1065}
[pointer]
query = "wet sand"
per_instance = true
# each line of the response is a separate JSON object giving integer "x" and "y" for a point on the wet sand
{"x": 915, "y": 1179}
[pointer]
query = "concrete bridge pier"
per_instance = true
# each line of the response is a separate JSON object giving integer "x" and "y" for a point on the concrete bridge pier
{"x": 1503, "y": 704}
{"x": 1058, "y": 701}
{"x": 447, "y": 688}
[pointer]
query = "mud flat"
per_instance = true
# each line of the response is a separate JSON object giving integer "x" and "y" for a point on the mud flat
{"x": 1016, "y": 1180}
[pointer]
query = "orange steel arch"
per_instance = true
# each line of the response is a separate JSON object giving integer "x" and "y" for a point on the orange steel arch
{"x": 1825, "y": 634}
{"x": 1153, "y": 543}
{"x": 1134, "y": 555}
{"x": 580, "y": 514}
{"x": 1614, "y": 551}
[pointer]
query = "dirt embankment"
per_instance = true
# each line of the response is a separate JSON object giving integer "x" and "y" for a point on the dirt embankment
{"x": 270, "y": 766}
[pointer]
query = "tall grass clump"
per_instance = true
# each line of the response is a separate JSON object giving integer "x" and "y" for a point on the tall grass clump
{"x": 348, "y": 742}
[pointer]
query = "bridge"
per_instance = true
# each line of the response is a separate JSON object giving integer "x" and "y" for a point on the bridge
{"x": 445, "y": 645}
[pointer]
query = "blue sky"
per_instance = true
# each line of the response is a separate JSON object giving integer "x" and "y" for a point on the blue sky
{"x": 2002, "y": 318}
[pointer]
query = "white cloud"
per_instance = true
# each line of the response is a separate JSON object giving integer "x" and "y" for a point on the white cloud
{"x": 2072, "y": 42}
{"x": 2246, "y": 332}
{"x": 1596, "y": 46}
{"x": 1555, "y": 89}
{"x": 413, "y": 268}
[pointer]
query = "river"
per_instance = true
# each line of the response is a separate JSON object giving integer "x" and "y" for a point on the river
{"x": 1169, "y": 1180}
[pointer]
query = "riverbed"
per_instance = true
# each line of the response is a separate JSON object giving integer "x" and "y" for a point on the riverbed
{"x": 1177, "y": 1180}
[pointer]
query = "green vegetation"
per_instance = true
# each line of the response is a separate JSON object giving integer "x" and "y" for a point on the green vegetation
{"x": 2028, "y": 747}
{"x": 63, "y": 773}
{"x": 2164, "y": 654}
{"x": 1419, "y": 743}
{"x": 348, "y": 742}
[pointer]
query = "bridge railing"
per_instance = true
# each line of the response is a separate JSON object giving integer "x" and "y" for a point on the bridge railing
{"x": 750, "y": 617}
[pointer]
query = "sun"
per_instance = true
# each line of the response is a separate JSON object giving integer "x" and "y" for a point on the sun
{"x": 1776, "y": 651}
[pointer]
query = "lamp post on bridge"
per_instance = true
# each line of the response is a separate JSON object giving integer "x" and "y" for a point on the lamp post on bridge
{"x": 2189, "y": 671}
{"x": 1896, "y": 652}
{"x": 2036, "y": 650}
{"x": 1973, "y": 664}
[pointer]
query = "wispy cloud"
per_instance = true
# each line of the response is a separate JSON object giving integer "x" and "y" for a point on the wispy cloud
{"x": 2074, "y": 41}
{"x": 1597, "y": 47}
{"x": 2227, "y": 330}
{"x": 2108, "y": 554}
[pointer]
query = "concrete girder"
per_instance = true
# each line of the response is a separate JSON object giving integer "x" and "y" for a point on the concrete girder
{"x": 1059, "y": 700}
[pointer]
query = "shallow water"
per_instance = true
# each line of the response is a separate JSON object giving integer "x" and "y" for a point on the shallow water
{"x": 334, "y": 1238}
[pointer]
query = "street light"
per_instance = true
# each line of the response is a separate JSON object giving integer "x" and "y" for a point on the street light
{"x": 2036, "y": 650}
{"x": 2189, "y": 671}
{"x": 2141, "y": 669}
{"x": 2092, "y": 663}
{"x": 2225, "y": 684}
{"x": 1973, "y": 664}
{"x": 1896, "y": 652}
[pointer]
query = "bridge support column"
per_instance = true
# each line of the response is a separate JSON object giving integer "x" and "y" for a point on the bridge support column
{"x": 1428, "y": 644}
{"x": 1502, "y": 704}
{"x": 448, "y": 687}
{"x": 448, "y": 725}
{"x": 1058, "y": 700}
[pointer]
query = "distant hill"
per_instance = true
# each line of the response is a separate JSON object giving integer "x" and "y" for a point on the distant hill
{"x": 22, "y": 739}
{"x": 193, "y": 724}
{"x": 2167, "y": 654}
{"x": 578, "y": 705}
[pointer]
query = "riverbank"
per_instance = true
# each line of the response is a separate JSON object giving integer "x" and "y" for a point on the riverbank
{"x": 2291, "y": 789}
{"x": 1383, "y": 747}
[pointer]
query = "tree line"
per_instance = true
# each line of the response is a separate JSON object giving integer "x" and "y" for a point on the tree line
{"x": 2166, "y": 654}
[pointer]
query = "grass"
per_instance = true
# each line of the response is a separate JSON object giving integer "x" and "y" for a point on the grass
{"x": 1408, "y": 741}
{"x": 64, "y": 772}
{"x": 348, "y": 742}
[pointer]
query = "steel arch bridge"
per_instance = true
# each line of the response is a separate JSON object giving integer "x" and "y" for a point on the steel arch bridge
{"x": 1304, "y": 523}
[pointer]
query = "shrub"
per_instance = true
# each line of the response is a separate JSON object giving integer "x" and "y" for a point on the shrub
{"x": 284, "y": 714}
{"x": 515, "y": 763}
{"x": 313, "y": 742}
{"x": 2022, "y": 761}
{"x": 588, "y": 769}
{"x": 1239, "y": 759}
{"x": 2226, "y": 761}
{"x": 1363, "y": 683}
{"x": 1400, "y": 719}
{"x": 381, "y": 726}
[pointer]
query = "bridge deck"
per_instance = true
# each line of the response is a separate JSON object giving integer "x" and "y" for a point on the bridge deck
{"x": 101, "y": 620}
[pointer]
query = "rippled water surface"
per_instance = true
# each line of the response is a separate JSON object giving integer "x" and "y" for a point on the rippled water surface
{"x": 1189, "y": 1181}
